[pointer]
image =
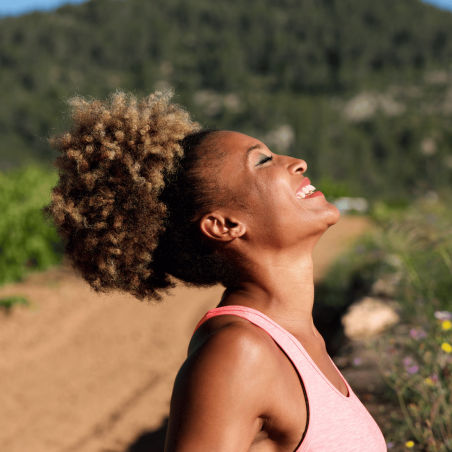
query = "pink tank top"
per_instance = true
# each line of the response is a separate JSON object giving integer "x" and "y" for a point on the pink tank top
{"x": 336, "y": 423}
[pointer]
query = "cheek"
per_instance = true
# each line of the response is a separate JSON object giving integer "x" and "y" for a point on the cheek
{"x": 277, "y": 211}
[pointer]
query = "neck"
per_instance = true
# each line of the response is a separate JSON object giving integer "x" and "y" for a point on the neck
{"x": 281, "y": 287}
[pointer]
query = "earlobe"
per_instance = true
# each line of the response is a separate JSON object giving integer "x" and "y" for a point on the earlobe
{"x": 217, "y": 227}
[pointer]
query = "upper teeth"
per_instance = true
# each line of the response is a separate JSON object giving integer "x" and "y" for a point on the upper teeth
{"x": 305, "y": 191}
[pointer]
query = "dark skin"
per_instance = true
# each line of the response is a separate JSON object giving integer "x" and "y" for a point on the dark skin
{"x": 237, "y": 391}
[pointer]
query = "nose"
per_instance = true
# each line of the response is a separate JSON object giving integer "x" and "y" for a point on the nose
{"x": 297, "y": 166}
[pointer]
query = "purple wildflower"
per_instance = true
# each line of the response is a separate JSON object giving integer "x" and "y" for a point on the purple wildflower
{"x": 418, "y": 334}
{"x": 443, "y": 315}
{"x": 410, "y": 365}
{"x": 357, "y": 361}
{"x": 407, "y": 361}
{"x": 389, "y": 445}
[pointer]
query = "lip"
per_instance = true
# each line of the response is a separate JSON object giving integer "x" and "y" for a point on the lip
{"x": 305, "y": 182}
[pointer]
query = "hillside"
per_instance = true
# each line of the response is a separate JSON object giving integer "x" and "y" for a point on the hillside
{"x": 353, "y": 87}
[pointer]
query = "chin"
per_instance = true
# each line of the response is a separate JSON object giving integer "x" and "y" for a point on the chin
{"x": 332, "y": 215}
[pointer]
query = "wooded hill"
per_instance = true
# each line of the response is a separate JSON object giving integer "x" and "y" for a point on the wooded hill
{"x": 361, "y": 90}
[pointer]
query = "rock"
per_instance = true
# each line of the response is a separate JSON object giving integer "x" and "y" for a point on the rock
{"x": 281, "y": 138}
{"x": 365, "y": 105}
{"x": 428, "y": 146}
{"x": 386, "y": 287}
{"x": 362, "y": 107}
{"x": 368, "y": 317}
{"x": 437, "y": 77}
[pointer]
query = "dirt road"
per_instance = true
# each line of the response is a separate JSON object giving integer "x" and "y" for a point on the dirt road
{"x": 81, "y": 372}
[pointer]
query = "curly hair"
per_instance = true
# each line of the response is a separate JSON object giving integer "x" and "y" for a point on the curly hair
{"x": 129, "y": 194}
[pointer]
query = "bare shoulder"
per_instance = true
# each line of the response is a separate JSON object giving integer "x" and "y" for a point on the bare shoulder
{"x": 229, "y": 351}
{"x": 220, "y": 393}
{"x": 230, "y": 334}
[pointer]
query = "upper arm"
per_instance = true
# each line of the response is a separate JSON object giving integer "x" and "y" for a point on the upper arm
{"x": 219, "y": 396}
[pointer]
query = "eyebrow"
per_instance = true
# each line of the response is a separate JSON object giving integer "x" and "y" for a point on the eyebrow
{"x": 256, "y": 146}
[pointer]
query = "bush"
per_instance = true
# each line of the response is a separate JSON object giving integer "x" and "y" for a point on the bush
{"x": 417, "y": 244}
{"x": 418, "y": 368}
{"x": 7, "y": 303}
{"x": 27, "y": 241}
{"x": 411, "y": 247}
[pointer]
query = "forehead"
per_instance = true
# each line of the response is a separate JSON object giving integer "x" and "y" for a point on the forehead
{"x": 236, "y": 144}
{"x": 233, "y": 168}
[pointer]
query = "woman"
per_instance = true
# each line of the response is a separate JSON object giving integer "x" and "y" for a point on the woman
{"x": 145, "y": 198}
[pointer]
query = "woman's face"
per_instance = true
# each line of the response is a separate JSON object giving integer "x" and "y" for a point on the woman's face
{"x": 265, "y": 187}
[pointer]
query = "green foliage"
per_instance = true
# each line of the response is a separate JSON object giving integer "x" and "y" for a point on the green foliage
{"x": 418, "y": 367}
{"x": 333, "y": 189}
{"x": 27, "y": 242}
{"x": 7, "y": 303}
{"x": 254, "y": 67}
{"x": 414, "y": 246}
{"x": 419, "y": 243}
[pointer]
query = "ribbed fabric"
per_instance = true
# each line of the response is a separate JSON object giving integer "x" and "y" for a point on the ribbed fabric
{"x": 336, "y": 423}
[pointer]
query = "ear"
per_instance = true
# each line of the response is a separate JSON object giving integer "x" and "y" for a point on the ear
{"x": 216, "y": 226}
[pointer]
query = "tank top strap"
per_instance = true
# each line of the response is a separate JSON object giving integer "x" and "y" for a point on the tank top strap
{"x": 250, "y": 314}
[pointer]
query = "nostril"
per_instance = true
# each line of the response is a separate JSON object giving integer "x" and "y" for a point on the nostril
{"x": 301, "y": 166}
{"x": 295, "y": 165}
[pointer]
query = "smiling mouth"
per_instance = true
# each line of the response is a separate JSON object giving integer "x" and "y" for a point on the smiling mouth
{"x": 305, "y": 190}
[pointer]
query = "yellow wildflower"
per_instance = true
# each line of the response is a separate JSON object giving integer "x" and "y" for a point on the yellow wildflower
{"x": 446, "y": 324}
{"x": 446, "y": 347}
{"x": 409, "y": 444}
{"x": 429, "y": 381}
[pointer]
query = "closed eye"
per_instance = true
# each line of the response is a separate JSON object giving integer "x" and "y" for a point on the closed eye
{"x": 264, "y": 158}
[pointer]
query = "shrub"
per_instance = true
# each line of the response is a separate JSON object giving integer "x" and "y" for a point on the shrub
{"x": 27, "y": 241}
{"x": 7, "y": 303}
{"x": 418, "y": 367}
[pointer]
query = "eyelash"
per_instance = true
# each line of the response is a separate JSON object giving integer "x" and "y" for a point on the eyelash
{"x": 266, "y": 159}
